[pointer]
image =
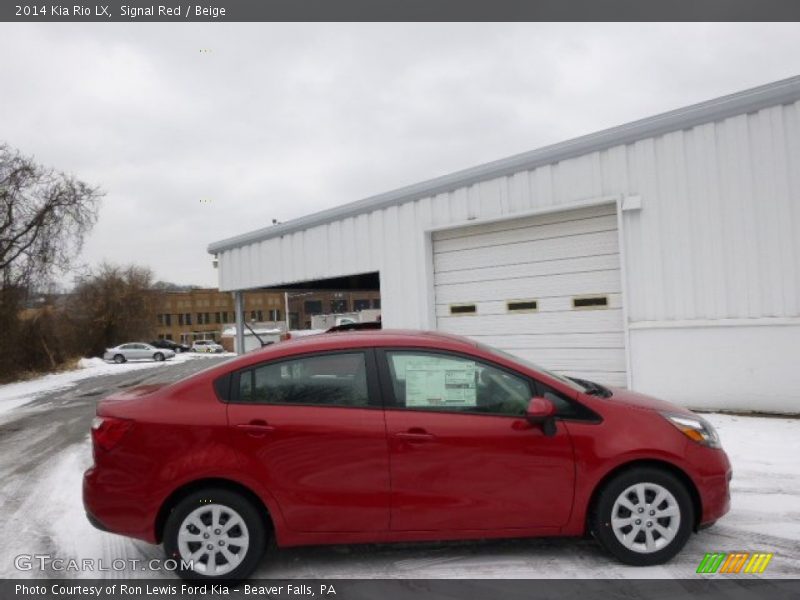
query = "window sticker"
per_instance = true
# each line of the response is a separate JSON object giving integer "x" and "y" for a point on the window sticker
{"x": 433, "y": 381}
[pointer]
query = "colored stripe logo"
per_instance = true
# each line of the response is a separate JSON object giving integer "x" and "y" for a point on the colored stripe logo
{"x": 734, "y": 562}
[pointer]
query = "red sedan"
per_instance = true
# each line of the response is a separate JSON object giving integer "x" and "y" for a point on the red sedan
{"x": 386, "y": 436}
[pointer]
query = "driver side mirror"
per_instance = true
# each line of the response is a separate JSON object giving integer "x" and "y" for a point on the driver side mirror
{"x": 542, "y": 412}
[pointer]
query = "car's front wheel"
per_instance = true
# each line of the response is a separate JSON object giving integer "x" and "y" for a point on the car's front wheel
{"x": 215, "y": 534}
{"x": 158, "y": 357}
{"x": 643, "y": 516}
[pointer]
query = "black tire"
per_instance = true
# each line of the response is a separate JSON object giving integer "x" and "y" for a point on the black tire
{"x": 158, "y": 357}
{"x": 119, "y": 359}
{"x": 251, "y": 516}
{"x": 600, "y": 517}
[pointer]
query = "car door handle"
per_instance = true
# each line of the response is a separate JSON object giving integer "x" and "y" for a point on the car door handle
{"x": 256, "y": 428}
{"x": 415, "y": 436}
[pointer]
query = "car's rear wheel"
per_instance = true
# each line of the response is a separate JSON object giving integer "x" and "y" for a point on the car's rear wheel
{"x": 119, "y": 359}
{"x": 643, "y": 516}
{"x": 217, "y": 534}
{"x": 158, "y": 357}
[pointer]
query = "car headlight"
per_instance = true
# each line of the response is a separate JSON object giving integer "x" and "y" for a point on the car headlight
{"x": 696, "y": 429}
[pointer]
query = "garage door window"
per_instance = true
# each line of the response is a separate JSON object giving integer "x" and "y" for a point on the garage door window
{"x": 327, "y": 380}
{"x": 515, "y": 306}
{"x": 463, "y": 309}
{"x": 590, "y": 302}
{"x": 443, "y": 382}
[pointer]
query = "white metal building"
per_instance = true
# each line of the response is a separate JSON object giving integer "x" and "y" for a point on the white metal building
{"x": 663, "y": 254}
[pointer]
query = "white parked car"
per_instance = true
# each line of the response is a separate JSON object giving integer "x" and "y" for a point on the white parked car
{"x": 136, "y": 351}
{"x": 207, "y": 346}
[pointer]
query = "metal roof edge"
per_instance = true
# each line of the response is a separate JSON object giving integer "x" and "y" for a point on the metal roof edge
{"x": 771, "y": 94}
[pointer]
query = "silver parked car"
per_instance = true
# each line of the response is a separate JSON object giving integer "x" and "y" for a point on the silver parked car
{"x": 207, "y": 346}
{"x": 137, "y": 351}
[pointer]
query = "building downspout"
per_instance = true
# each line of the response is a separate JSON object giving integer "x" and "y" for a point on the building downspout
{"x": 238, "y": 303}
{"x": 286, "y": 310}
{"x": 633, "y": 204}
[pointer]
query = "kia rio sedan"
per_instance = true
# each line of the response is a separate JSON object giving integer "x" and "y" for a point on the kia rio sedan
{"x": 388, "y": 436}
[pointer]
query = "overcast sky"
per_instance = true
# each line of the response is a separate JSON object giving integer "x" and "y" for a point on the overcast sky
{"x": 277, "y": 121}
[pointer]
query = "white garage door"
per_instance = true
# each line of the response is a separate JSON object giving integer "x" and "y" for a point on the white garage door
{"x": 546, "y": 288}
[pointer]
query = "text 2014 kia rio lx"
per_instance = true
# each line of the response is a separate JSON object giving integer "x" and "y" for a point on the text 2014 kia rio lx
{"x": 387, "y": 436}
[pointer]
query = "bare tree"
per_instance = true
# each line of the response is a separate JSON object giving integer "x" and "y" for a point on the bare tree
{"x": 44, "y": 217}
{"x": 113, "y": 305}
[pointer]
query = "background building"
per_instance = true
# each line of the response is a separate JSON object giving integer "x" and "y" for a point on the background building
{"x": 662, "y": 254}
{"x": 203, "y": 313}
{"x": 304, "y": 305}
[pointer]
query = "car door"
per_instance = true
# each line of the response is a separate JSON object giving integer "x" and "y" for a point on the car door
{"x": 462, "y": 455}
{"x": 311, "y": 427}
{"x": 130, "y": 351}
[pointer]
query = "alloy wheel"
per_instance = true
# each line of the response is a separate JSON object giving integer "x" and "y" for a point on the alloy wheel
{"x": 645, "y": 517}
{"x": 215, "y": 538}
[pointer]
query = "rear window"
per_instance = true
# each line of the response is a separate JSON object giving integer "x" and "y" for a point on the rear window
{"x": 324, "y": 380}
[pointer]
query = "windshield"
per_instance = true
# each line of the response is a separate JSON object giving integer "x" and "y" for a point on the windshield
{"x": 513, "y": 357}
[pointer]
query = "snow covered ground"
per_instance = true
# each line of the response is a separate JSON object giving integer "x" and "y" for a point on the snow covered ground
{"x": 18, "y": 394}
{"x": 765, "y": 454}
{"x": 42, "y": 461}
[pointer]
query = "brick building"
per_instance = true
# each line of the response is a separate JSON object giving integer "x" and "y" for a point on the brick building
{"x": 202, "y": 313}
{"x": 304, "y": 305}
{"x": 198, "y": 314}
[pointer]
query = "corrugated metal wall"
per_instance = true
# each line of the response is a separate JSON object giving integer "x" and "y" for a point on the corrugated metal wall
{"x": 715, "y": 239}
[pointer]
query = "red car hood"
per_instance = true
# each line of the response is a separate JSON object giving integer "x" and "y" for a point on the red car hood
{"x": 638, "y": 400}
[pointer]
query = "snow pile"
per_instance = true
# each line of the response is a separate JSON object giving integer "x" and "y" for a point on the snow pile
{"x": 231, "y": 331}
{"x": 88, "y": 363}
{"x": 296, "y": 333}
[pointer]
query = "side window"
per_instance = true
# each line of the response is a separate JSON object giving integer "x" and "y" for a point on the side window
{"x": 423, "y": 380}
{"x": 324, "y": 380}
{"x": 246, "y": 386}
{"x": 564, "y": 408}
